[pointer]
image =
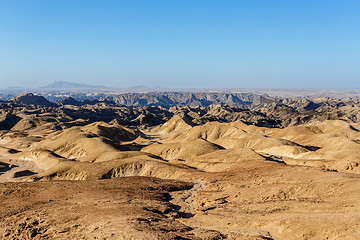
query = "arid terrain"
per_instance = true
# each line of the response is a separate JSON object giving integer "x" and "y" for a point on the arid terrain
{"x": 180, "y": 166}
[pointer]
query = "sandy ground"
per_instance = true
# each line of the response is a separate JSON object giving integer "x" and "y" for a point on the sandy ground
{"x": 126, "y": 208}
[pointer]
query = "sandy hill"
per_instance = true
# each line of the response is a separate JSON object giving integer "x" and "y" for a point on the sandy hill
{"x": 174, "y": 125}
{"x": 181, "y": 150}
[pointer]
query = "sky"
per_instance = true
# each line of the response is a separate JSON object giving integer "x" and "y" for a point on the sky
{"x": 181, "y": 43}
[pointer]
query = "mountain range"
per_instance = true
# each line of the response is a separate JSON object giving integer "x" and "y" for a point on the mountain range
{"x": 70, "y": 85}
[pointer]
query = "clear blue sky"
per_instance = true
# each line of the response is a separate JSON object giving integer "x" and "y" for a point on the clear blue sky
{"x": 181, "y": 43}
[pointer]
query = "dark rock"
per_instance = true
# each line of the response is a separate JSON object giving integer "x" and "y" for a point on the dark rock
{"x": 23, "y": 173}
{"x": 31, "y": 99}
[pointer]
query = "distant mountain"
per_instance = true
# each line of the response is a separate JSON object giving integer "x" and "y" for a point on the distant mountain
{"x": 192, "y": 99}
{"x": 74, "y": 102}
{"x": 31, "y": 99}
{"x": 69, "y": 101}
{"x": 140, "y": 87}
{"x": 70, "y": 85}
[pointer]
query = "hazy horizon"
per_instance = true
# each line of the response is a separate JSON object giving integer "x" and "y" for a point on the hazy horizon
{"x": 79, "y": 90}
{"x": 183, "y": 44}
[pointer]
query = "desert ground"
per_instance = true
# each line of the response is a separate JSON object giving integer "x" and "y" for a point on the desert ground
{"x": 279, "y": 170}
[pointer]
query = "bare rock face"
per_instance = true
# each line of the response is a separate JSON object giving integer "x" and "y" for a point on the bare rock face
{"x": 8, "y": 120}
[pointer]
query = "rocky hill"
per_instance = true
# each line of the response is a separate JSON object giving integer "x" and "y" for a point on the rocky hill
{"x": 252, "y": 109}
{"x": 31, "y": 99}
{"x": 270, "y": 168}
